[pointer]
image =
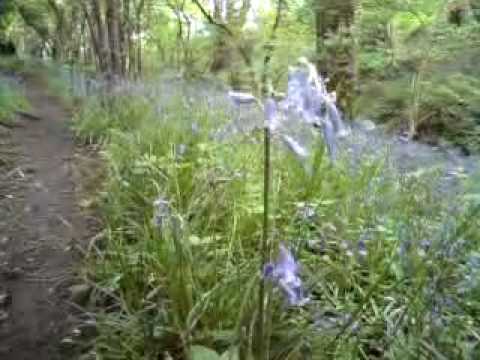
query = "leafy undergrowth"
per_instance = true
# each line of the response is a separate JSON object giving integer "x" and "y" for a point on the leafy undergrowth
{"x": 12, "y": 64}
{"x": 11, "y": 100}
{"x": 432, "y": 85}
{"x": 390, "y": 267}
{"x": 446, "y": 108}
{"x": 57, "y": 78}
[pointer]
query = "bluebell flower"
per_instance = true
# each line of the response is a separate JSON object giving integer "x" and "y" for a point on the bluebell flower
{"x": 308, "y": 97}
{"x": 306, "y": 211}
{"x": 329, "y": 138}
{"x": 284, "y": 273}
{"x": 426, "y": 244}
{"x": 241, "y": 98}
{"x": 296, "y": 91}
{"x": 195, "y": 128}
{"x": 181, "y": 150}
{"x": 405, "y": 248}
{"x": 271, "y": 114}
{"x": 161, "y": 211}
{"x": 308, "y": 102}
{"x": 362, "y": 248}
{"x": 295, "y": 147}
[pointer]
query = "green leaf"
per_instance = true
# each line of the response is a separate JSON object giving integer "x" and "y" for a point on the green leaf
{"x": 199, "y": 352}
{"x": 231, "y": 354}
{"x": 195, "y": 240}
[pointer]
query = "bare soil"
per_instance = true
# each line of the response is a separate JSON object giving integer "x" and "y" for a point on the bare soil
{"x": 40, "y": 227}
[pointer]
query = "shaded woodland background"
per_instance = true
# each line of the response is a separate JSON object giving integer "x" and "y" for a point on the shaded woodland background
{"x": 411, "y": 64}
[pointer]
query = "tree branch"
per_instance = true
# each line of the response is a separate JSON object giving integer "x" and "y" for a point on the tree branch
{"x": 270, "y": 47}
{"x": 211, "y": 20}
{"x": 243, "y": 52}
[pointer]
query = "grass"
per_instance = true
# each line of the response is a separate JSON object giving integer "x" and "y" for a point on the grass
{"x": 13, "y": 64}
{"x": 11, "y": 100}
{"x": 55, "y": 76}
{"x": 385, "y": 260}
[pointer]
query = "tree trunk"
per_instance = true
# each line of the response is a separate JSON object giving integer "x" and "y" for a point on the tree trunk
{"x": 269, "y": 49}
{"x": 59, "y": 38}
{"x": 98, "y": 26}
{"x": 94, "y": 39}
{"x": 113, "y": 26}
{"x": 125, "y": 35}
{"x": 129, "y": 48}
{"x": 334, "y": 21}
{"x": 138, "y": 28}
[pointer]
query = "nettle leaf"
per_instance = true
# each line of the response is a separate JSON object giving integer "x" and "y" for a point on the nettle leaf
{"x": 199, "y": 352}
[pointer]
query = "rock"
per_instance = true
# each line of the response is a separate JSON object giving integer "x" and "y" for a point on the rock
{"x": 14, "y": 273}
{"x": 80, "y": 293}
{"x": 367, "y": 125}
{"x": 317, "y": 246}
{"x": 89, "y": 356}
{"x": 39, "y": 186}
{"x": 67, "y": 344}
{"x": 5, "y": 299}
{"x": 29, "y": 169}
{"x": 4, "y": 316}
{"x": 404, "y": 138}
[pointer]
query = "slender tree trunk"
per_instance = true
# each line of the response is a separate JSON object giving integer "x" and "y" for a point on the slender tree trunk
{"x": 125, "y": 35}
{"x": 334, "y": 21}
{"x": 59, "y": 38}
{"x": 139, "y": 46}
{"x": 186, "y": 47}
{"x": 269, "y": 48}
{"x": 179, "y": 39}
{"x": 130, "y": 49}
{"x": 81, "y": 45}
{"x": 103, "y": 53}
{"x": 138, "y": 28}
{"x": 113, "y": 25}
{"x": 94, "y": 39}
{"x": 226, "y": 32}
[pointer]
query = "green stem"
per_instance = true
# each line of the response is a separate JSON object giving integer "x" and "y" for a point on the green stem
{"x": 265, "y": 255}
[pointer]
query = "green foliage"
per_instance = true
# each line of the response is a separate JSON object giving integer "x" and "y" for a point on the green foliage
{"x": 101, "y": 120}
{"x": 418, "y": 78}
{"x": 185, "y": 284}
{"x": 6, "y": 14}
{"x": 11, "y": 100}
{"x": 403, "y": 52}
{"x": 448, "y": 106}
{"x": 11, "y": 65}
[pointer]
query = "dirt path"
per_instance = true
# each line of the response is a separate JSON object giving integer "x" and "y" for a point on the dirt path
{"x": 39, "y": 225}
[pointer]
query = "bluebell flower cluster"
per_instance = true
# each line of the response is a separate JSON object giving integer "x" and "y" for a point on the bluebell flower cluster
{"x": 307, "y": 102}
{"x": 284, "y": 273}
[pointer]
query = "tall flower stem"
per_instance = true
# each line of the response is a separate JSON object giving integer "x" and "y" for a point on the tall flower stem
{"x": 265, "y": 250}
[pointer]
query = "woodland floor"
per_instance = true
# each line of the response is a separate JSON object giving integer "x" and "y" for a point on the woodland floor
{"x": 41, "y": 226}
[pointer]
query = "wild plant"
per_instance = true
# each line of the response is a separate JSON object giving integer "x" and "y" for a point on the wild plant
{"x": 11, "y": 101}
{"x": 308, "y": 100}
{"x": 356, "y": 258}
